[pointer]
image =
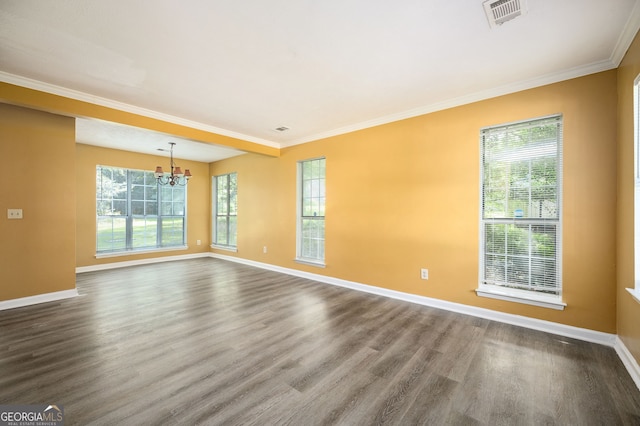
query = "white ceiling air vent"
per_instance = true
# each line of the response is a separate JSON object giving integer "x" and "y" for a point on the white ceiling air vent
{"x": 500, "y": 11}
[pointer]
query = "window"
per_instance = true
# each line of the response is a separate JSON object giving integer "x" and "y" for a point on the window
{"x": 225, "y": 208}
{"x": 521, "y": 180}
{"x": 134, "y": 212}
{"x": 636, "y": 178}
{"x": 311, "y": 202}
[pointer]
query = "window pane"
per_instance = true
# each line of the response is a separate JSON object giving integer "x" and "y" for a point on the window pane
{"x": 151, "y": 208}
{"x": 137, "y": 208}
{"x": 151, "y": 192}
{"x": 178, "y": 194}
{"x": 233, "y": 231}
{"x": 172, "y": 231}
{"x": 178, "y": 208}
{"x": 145, "y": 232}
{"x": 137, "y": 177}
{"x": 313, "y": 238}
{"x": 495, "y": 269}
{"x": 223, "y": 202}
{"x": 495, "y": 239}
{"x": 233, "y": 194}
{"x": 111, "y": 233}
{"x": 137, "y": 192}
{"x": 221, "y": 230}
{"x": 166, "y": 208}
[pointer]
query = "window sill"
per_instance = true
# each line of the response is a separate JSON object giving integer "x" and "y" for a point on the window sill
{"x": 143, "y": 251}
{"x": 520, "y": 296}
{"x": 635, "y": 293}
{"x": 226, "y": 248}
{"x": 310, "y": 262}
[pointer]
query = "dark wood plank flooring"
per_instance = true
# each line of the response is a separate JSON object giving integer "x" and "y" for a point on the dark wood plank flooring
{"x": 206, "y": 341}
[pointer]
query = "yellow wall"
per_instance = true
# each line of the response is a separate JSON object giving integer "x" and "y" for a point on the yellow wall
{"x": 628, "y": 320}
{"x": 198, "y": 200}
{"x": 55, "y": 104}
{"x": 401, "y": 197}
{"x": 405, "y": 196}
{"x": 37, "y": 253}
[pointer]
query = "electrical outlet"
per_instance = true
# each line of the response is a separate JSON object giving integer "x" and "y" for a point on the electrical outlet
{"x": 264, "y": 249}
{"x": 424, "y": 274}
{"x": 198, "y": 242}
{"x": 14, "y": 213}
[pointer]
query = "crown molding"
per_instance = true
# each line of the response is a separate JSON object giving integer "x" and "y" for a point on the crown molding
{"x": 463, "y": 100}
{"x": 627, "y": 35}
{"x": 97, "y": 100}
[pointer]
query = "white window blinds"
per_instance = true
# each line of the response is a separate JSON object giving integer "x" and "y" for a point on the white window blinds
{"x": 521, "y": 205}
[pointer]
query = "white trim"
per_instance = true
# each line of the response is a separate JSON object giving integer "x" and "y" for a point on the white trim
{"x": 143, "y": 251}
{"x": 526, "y": 297}
{"x": 635, "y": 293}
{"x": 85, "y": 97}
{"x": 114, "y": 265}
{"x": 38, "y": 298}
{"x": 587, "y": 335}
{"x": 225, "y": 248}
{"x": 626, "y": 36}
{"x": 507, "y": 89}
{"x": 310, "y": 262}
{"x": 628, "y": 360}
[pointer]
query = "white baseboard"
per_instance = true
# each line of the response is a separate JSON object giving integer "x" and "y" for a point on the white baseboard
{"x": 628, "y": 360}
{"x": 532, "y": 323}
{"x": 39, "y": 298}
{"x": 114, "y": 265}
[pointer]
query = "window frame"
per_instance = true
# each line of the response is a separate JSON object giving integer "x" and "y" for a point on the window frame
{"x": 635, "y": 291}
{"x": 215, "y": 185}
{"x": 519, "y": 295}
{"x": 301, "y": 218}
{"x": 130, "y": 217}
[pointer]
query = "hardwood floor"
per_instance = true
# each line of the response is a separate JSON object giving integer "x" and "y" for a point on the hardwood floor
{"x": 206, "y": 341}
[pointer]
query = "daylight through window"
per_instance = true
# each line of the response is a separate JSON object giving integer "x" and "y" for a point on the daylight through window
{"x": 311, "y": 210}
{"x": 134, "y": 212}
{"x": 225, "y": 207}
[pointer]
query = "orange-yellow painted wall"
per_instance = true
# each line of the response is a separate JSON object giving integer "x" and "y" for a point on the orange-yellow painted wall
{"x": 628, "y": 314}
{"x": 30, "y": 98}
{"x": 37, "y": 253}
{"x": 405, "y": 196}
{"x": 198, "y": 201}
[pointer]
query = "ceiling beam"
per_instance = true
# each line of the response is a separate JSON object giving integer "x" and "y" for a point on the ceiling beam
{"x": 56, "y": 104}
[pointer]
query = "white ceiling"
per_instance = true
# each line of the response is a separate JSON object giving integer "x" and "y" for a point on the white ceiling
{"x": 127, "y": 138}
{"x": 244, "y": 68}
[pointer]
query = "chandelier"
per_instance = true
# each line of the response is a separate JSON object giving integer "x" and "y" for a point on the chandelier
{"x": 176, "y": 177}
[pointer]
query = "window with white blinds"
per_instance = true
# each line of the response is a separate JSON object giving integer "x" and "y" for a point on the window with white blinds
{"x": 311, "y": 211}
{"x": 521, "y": 208}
